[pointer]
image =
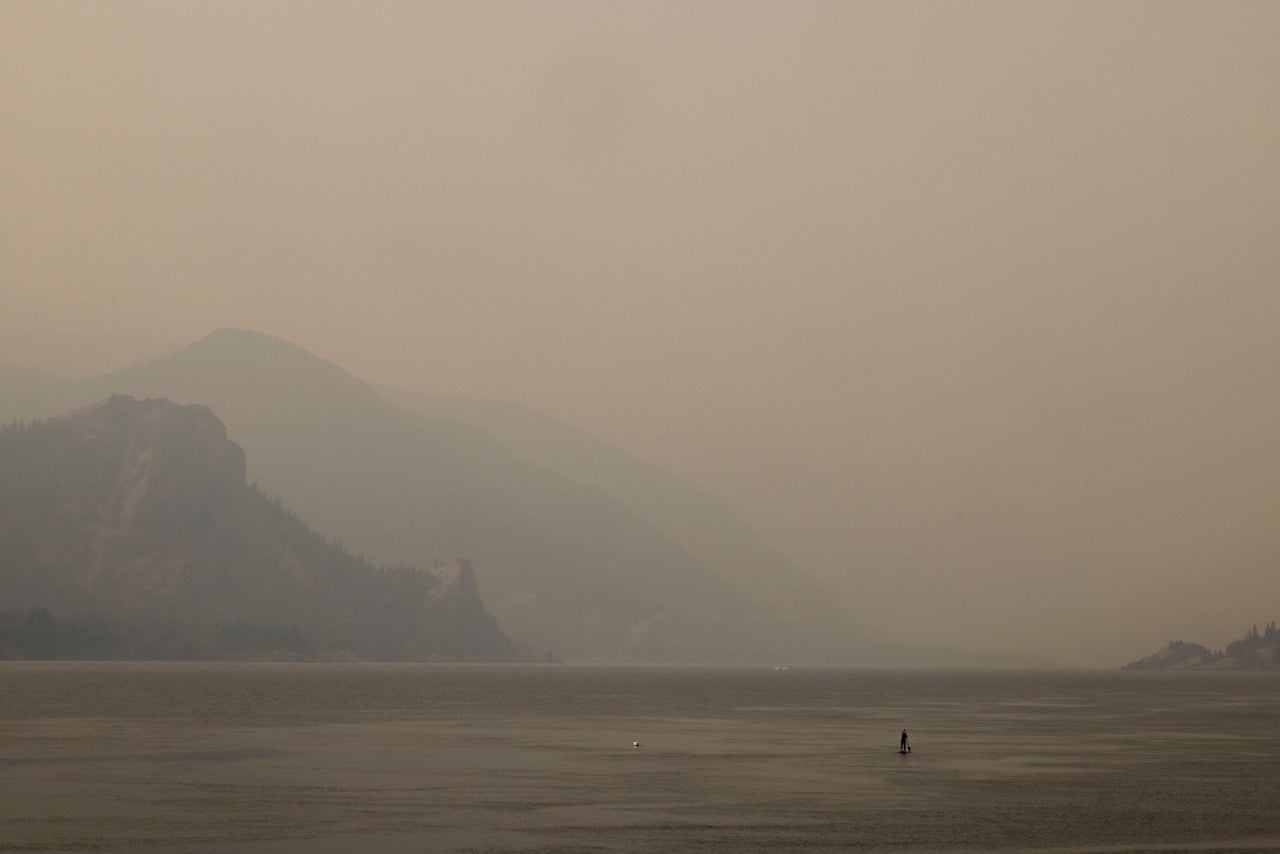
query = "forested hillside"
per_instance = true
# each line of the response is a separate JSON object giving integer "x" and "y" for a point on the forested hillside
{"x": 127, "y": 529}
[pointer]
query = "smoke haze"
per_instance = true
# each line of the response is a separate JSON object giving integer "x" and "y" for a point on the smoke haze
{"x": 969, "y": 308}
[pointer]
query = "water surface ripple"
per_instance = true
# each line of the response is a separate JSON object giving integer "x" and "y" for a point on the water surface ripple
{"x": 242, "y": 757}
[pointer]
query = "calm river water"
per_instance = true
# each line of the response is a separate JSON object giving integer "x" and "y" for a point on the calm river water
{"x": 390, "y": 758}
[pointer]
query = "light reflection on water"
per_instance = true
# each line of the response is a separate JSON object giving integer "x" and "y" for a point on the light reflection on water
{"x": 341, "y": 757}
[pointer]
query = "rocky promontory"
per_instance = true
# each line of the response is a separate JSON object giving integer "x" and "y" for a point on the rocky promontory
{"x": 127, "y": 530}
{"x": 1255, "y": 651}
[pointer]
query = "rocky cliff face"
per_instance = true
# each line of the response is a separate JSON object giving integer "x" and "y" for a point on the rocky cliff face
{"x": 137, "y": 512}
{"x": 566, "y": 566}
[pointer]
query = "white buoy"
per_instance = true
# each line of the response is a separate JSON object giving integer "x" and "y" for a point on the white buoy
{"x": 635, "y": 744}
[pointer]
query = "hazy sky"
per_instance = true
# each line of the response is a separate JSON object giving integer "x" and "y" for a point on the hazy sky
{"x": 972, "y": 308}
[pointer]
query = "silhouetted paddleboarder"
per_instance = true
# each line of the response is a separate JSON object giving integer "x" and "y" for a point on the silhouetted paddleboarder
{"x": 903, "y": 746}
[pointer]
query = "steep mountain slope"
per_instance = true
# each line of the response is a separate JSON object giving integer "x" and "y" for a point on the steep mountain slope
{"x": 138, "y": 513}
{"x": 562, "y": 565}
{"x": 678, "y": 510}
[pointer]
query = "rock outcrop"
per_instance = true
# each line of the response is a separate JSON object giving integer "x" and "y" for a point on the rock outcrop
{"x": 134, "y": 515}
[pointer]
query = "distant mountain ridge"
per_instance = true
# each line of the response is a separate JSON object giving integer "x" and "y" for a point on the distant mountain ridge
{"x": 675, "y": 508}
{"x": 135, "y": 516}
{"x": 563, "y": 564}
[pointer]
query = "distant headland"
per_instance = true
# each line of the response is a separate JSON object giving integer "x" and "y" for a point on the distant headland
{"x": 1255, "y": 651}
